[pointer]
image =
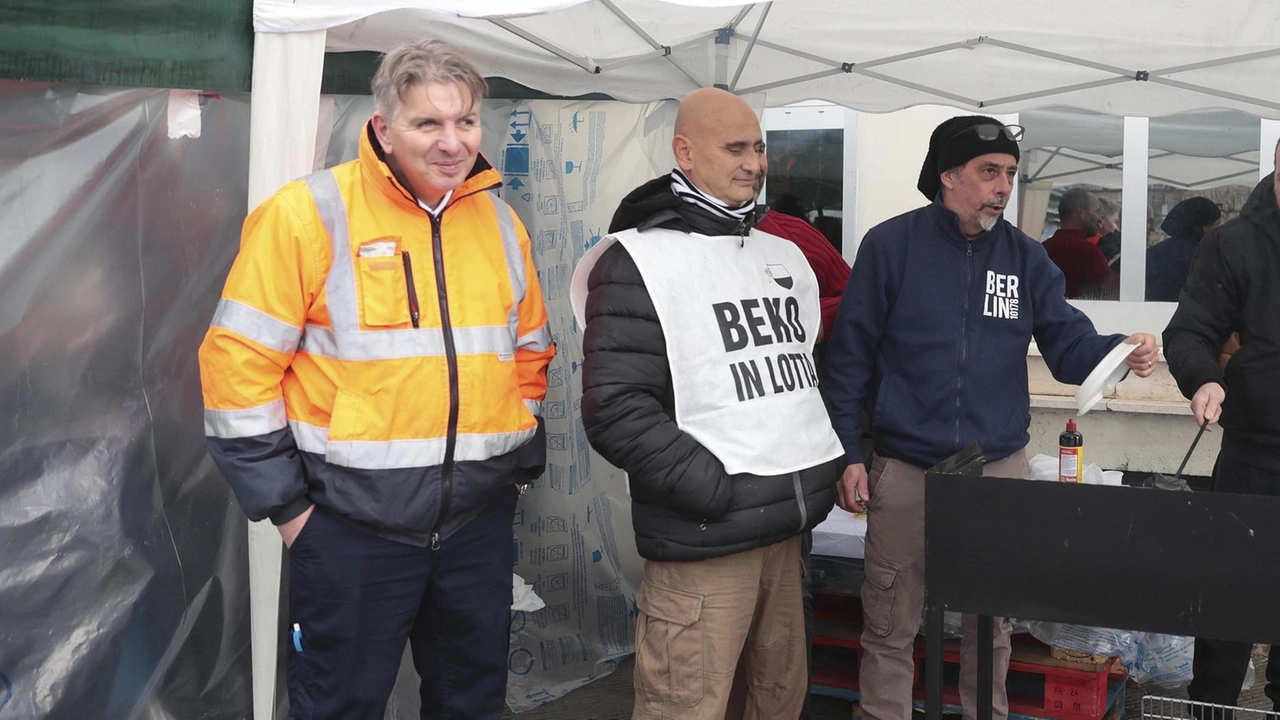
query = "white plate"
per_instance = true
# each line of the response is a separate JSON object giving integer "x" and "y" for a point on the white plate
{"x": 1104, "y": 378}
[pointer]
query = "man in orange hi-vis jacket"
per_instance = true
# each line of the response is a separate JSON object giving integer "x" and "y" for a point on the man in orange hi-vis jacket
{"x": 373, "y": 381}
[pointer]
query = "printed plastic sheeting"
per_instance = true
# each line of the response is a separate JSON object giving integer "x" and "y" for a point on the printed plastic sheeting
{"x": 123, "y": 581}
{"x": 565, "y": 168}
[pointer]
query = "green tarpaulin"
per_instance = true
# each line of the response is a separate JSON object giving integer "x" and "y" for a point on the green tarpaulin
{"x": 205, "y": 45}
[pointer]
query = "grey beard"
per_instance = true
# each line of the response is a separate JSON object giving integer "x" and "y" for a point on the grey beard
{"x": 986, "y": 223}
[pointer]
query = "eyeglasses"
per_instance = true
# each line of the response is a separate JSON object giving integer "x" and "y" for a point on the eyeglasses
{"x": 990, "y": 131}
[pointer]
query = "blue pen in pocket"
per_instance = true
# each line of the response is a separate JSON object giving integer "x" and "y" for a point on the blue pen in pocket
{"x": 297, "y": 637}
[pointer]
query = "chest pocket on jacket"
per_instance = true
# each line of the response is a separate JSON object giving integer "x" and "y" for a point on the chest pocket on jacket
{"x": 384, "y": 294}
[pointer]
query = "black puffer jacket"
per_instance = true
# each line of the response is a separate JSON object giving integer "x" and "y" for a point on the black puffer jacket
{"x": 683, "y": 504}
{"x": 1235, "y": 287}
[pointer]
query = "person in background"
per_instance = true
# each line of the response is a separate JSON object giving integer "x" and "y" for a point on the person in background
{"x": 792, "y": 205}
{"x": 1088, "y": 275}
{"x": 1108, "y": 237}
{"x": 1223, "y": 349}
{"x": 828, "y": 265}
{"x": 1169, "y": 262}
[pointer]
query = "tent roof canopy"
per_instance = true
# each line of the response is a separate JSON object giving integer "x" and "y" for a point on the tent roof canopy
{"x": 1147, "y": 57}
{"x": 1196, "y": 149}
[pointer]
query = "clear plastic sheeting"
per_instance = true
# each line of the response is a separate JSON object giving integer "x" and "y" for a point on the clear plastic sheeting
{"x": 565, "y": 167}
{"x": 123, "y": 584}
{"x": 1163, "y": 660}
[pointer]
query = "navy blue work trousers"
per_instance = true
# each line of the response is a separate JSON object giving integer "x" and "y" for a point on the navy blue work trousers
{"x": 356, "y": 598}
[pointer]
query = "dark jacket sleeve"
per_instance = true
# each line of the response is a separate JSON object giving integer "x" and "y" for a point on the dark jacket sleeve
{"x": 855, "y": 340}
{"x": 626, "y": 381}
{"x": 1204, "y": 319}
{"x": 1065, "y": 335}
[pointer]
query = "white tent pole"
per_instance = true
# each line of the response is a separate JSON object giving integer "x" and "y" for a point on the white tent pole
{"x": 584, "y": 63}
{"x": 610, "y": 66}
{"x": 661, "y": 50}
{"x": 790, "y": 81}
{"x": 742, "y": 64}
{"x": 742, "y": 15}
{"x": 1068, "y": 173}
{"x": 1267, "y": 148}
{"x": 685, "y": 71}
{"x": 1124, "y": 75}
{"x": 1214, "y": 180}
{"x": 903, "y": 57}
{"x": 1129, "y": 74}
{"x": 1243, "y": 161}
{"x": 284, "y": 109}
{"x": 1133, "y": 201}
{"x": 970, "y": 102}
{"x": 1044, "y": 165}
{"x": 632, "y": 24}
{"x": 1216, "y": 93}
{"x": 1261, "y": 54}
{"x": 723, "y": 38}
{"x": 1054, "y": 91}
{"x": 799, "y": 53}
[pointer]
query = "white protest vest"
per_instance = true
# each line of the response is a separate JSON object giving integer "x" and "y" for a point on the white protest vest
{"x": 740, "y": 317}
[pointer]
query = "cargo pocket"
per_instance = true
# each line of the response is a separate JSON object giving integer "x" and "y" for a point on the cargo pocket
{"x": 669, "y": 662}
{"x": 384, "y": 291}
{"x": 877, "y": 597}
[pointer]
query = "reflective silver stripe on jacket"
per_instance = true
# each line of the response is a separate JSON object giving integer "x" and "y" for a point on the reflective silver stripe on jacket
{"x": 402, "y": 343}
{"x": 231, "y": 424}
{"x": 538, "y": 341}
{"x": 256, "y": 325}
{"x": 392, "y": 454}
{"x": 515, "y": 261}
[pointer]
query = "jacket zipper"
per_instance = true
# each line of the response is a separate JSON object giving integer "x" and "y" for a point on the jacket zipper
{"x": 451, "y": 358}
{"x": 964, "y": 334}
{"x": 413, "y": 291}
{"x": 450, "y": 352}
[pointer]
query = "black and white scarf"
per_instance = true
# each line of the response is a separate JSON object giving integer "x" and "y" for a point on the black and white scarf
{"x": 688, "y": 192}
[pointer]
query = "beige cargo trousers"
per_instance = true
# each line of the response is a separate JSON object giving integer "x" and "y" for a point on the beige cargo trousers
{"x": 699, "y": 619}
{"x": 893, "y": 596}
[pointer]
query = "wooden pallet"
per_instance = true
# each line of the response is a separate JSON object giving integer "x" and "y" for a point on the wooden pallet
{"x": 1040, "y": 685}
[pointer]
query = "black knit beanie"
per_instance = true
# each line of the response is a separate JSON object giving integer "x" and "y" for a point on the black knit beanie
{"x": 954, "y": 144}
{"x": 1190, "y": 216}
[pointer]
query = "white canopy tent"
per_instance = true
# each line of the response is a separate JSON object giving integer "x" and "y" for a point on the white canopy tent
{"x": 1194, "y": 150}
{"x": 1145, "y": 58}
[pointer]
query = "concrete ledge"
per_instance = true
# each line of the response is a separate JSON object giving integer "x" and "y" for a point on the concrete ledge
{"x": 1116, "y": 404}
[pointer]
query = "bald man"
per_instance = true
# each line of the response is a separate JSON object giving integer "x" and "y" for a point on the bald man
{"x": 699, "y": 382}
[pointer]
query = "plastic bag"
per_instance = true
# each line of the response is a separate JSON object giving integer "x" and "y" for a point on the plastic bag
{"x": 523, "y": 598}
{"x": 1150, "y": 658}
{"x": 1163, "y": 660}
{"x": 1080, "y": 638}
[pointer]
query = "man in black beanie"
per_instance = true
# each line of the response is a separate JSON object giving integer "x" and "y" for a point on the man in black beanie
{"x": 931, "y": 338}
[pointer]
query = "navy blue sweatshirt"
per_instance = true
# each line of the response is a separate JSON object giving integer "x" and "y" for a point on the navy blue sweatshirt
{"x": 932, "y": 338}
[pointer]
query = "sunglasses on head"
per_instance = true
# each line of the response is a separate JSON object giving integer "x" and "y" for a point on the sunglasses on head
{"x": 990, "y": 131}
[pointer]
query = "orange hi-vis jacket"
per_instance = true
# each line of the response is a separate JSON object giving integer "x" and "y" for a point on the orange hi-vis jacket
{"x": 380, "y": 362}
